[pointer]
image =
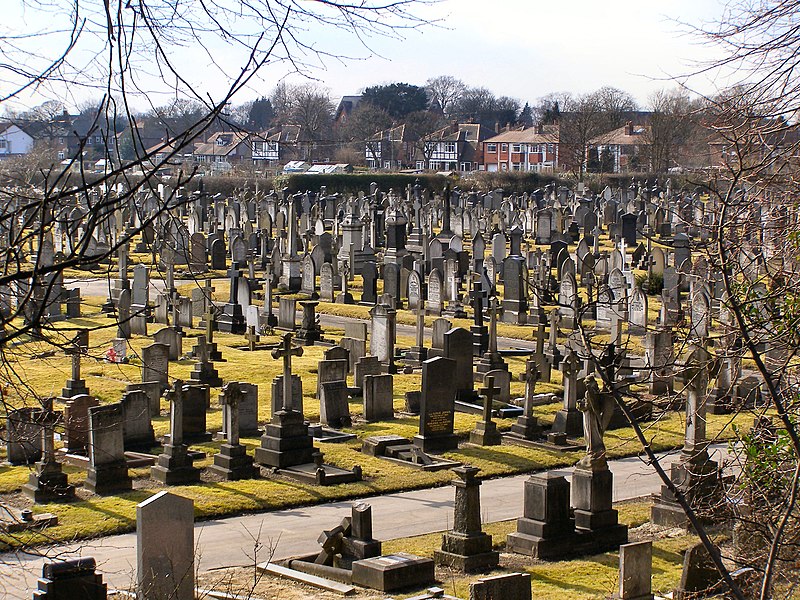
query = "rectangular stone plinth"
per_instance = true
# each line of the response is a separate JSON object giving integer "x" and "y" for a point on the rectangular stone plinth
{"x": 436, "y": 443}
{"x": 467, "y": 564}
{"x": 108, "y": 478}
{"x": 233, "y": 463}
{"x": 285, "y": 442}
{"x": 592, "y": 490}
{"x": 394, "y": 571}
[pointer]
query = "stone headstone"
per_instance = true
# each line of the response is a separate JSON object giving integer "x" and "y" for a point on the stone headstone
{"x": 458, "y": 347}
{"x": 137, "y": 429}
{"x": 172, "y": 339}
{"x": 165, "y": 547}
{"x": 334, "y": 409}
{"x": 378, "y": 397}
{"x": 367, "y": 365}
{"x": 635, "y": 571}
{"x": 502, "y": 587}
{"x": 437, "y": 406}
{"x": 76, "y": 422}
{"x": 155, "y": 364}
{"x": 297, "y": 394}
{"x": 108, "y": 469}
{"x": 23, "y": 435}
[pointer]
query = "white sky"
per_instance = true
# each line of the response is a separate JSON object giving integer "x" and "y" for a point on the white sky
{"x": 519, "y": 48}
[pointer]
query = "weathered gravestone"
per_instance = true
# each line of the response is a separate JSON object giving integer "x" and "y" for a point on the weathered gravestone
{"x": 378, "y": 397}
{"x": 334, "y": 409}
{"x": 73, "y": 578}
{"x": 437, "y": 406}
{"x": 502, "y": 587}
{"x": 165, "y": 548}
{"x": 23, "y": 435}
{"x": 155, "y": 364}
{"x": 108, "y": 469}
{"x": 137, "y": 429}
{"x": 458, "y": 347}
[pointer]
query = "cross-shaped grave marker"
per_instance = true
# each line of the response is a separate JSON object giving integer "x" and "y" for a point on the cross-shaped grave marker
{"x": 175, "y": 397}
{"x": 252, "y": 338}
{"x": 530, "y": 377}
{"x": 286, "y": 351}
{"x": 488, "y": 392}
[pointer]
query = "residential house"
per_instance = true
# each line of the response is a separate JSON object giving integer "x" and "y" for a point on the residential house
{"x": 276, "y": 145}
{"x": 168, "y": 158}
{"x": 346, "y": 106}
{"x": 456, "y": 147}
{"x": 390, "y": 149}
{"x": 14, "y": 141}
{"x": 223, "y": 150}
{"x": 627, "y": 148}
{"x": 522, "y": 149}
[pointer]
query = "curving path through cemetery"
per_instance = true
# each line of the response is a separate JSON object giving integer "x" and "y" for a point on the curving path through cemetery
{"x": 227, "y": 542}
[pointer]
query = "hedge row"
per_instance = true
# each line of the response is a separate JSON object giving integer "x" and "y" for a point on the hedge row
{"x": 353, "y": 183}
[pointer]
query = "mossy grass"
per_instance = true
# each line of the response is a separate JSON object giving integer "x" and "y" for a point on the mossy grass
{"x": 583, "y": 578}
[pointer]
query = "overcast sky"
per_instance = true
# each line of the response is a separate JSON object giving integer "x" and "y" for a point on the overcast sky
{"x": 526, "y": 49}
{"x": 519, "y": 48}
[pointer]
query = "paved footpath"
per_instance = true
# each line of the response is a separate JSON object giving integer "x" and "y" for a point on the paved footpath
{"x": 226, "y": 542}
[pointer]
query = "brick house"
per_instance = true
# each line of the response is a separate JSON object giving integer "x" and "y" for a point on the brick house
{"x": 522, "y": 149}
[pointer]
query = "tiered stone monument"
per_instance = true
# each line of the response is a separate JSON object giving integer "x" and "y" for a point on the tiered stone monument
{"x": 467, "y": 548}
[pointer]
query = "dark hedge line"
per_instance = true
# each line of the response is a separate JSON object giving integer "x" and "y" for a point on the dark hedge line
{"x": 510, "y": 181}
{"x": 352, "y": 183}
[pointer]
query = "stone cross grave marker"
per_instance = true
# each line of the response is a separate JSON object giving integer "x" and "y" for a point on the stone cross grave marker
{"x": 285, "y": 351}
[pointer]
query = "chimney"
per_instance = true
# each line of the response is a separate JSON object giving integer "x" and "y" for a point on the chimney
{"x": 497, "y": 126}
{"x": 540, "y": 128}
{"x": 629, "y": 127}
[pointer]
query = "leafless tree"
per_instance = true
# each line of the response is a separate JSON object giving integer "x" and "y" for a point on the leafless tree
{"x": 445, "y": 90}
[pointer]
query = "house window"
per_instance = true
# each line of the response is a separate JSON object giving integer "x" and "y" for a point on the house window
{"x": 491, "y": 148}
{"x": 3, "y": 144}
{"x": 60, "y": 156}
{"x": 503, "y": 167}
{"x": 516, "y": 148}
{"x": 503, "y": 147}
{"x": 450, "y": 147}
{"x": 420, "y": 164}
{"x": 98, "y": 139}
{"x": 61, "y": 140}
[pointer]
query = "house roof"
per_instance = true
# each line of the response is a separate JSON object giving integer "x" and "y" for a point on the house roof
{"x": 459, "y": 132}
{"x": 288, "y": 134}
{"x": 527, "y": 135}
{"x": 627, "y": 135}
{"x": 346, "y": 105}
{"x": 393, "y": 134}
{"x": 221, "y": 143}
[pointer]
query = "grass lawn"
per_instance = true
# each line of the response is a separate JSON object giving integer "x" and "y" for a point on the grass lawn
{"x": 38, "y": 368}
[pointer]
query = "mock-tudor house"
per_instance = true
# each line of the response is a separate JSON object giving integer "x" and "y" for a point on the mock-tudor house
{"x": 14, "y": 141}
{"x": 223, "y": 150}
{"x": 628, "y": 147}
{"x": 522, "y": 149}
{"x": 276, "y": 145}
{"x": 456, "y": 147}
{"x": 390, "y": 149}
